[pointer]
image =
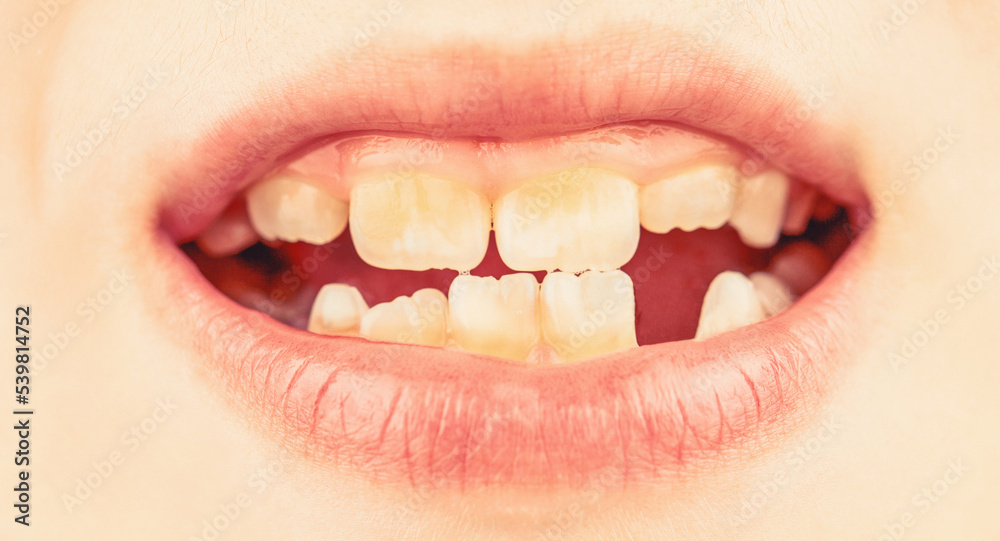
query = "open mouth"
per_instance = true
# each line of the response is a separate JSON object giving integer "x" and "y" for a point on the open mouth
{"x": 544, "y": 251}
{"x": 523, "y": 292}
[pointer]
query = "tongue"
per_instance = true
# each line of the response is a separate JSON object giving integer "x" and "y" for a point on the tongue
{"x": 671, "y": 274}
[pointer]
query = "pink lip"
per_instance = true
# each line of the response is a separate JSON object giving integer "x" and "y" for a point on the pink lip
{"x": 421, "y": 415}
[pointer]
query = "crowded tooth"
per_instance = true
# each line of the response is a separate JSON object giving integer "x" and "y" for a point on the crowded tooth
{"x": 290, "y": 209}
{"x": 760, "y": 207}
{"x": 699, "y": 197}
{"x": 418, "y": 319}
{"x": 573, "y": 221}
{"x": 229, "y": 234}
{"x": 495, "y": 317}
{"x": 419, "y": 223}
{"x": 801, "y": 200}
{"x": 773, "y": 294}
{"x": 730, "y": 302}
{"x": 337, "y": 309}
{"x": 587, "y": 315}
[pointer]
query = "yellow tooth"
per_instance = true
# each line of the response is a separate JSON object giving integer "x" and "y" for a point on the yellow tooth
{"x": 730, "y": 303}
{"x": 337, "y": 309}
{"x": 574, "y": 221}
{"x": 495, "y": 317}
{"x": 587, "y": 315}
{"x": 773, "y": 294}
{"x": 419, "y": 319}
{"x": 699, "y": 197}
{"x": 289, "y": 208}
{"x": 760, "y": 209}
{"x": 419, "y": 223}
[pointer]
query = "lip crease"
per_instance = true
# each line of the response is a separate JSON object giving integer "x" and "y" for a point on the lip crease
{"x": 412, "y": 414}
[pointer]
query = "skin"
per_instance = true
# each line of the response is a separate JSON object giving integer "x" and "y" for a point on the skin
{"x": 893, "y": 429}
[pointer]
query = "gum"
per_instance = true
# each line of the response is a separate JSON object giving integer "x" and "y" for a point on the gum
{"x": 643, "y": 152}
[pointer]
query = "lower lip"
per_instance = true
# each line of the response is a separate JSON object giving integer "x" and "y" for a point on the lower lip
{"x": 410, "y": 414}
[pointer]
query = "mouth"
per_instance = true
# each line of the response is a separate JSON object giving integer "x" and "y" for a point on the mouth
{"x": 504, "y": 270}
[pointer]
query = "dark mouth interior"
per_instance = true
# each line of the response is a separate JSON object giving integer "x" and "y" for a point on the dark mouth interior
{"x": 671, "y": 272}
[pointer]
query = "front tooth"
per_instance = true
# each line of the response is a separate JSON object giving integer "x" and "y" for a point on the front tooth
{"x": 419, "y": 319}
{"x": 419, "y": 223}
{"x": 760, "y": 209}
{"x": 573, "y": 221}
{"x": 730, "y": 302}
{"x": 773, "y": 294}
{"x": 588, "y": 315}
{"x": 290, "y": 209}
{"x": 700, "y": 197}
{"x": 495, "y": 317}
{"x": 337, "y": 309}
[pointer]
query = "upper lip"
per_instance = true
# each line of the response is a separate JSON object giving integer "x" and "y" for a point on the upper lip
{"x": 423, "y": 415}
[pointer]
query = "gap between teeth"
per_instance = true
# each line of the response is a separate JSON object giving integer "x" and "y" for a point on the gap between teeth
{"x": 580, "y": 219}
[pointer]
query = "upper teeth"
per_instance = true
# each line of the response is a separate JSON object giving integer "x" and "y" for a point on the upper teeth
{"x": 760, "y": 209}
{"x": 290, "y": 209}
{"x": 700, "y": 197}
{"x": 574, "y": 221}
{"x": 583, "y": 219}
{"x": 419, "y": 223}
